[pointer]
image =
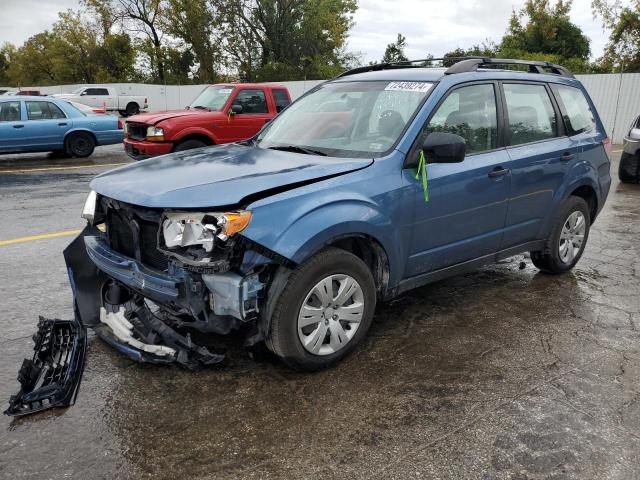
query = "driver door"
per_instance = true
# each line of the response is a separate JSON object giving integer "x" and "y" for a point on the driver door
{"x": 465, "y": 215}
{"x": 255, "y": 114}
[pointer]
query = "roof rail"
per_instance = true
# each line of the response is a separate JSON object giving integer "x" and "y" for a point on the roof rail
{"x": 421, "y": 63}
{"x": 464, "y": 64}
{"x": 472, "y": 64}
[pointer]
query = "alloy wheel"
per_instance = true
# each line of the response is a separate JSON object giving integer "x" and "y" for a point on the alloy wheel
{"x": 572, "y": 237}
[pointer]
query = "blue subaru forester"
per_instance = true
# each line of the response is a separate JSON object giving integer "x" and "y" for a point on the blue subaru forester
{"x": 379, "y": 181}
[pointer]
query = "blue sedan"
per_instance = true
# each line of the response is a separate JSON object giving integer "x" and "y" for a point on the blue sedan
{"x": 44, "y": 124}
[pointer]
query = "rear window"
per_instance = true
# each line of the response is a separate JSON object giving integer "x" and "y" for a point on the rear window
{"x": 281, "y": 98}
{"x": 10, "y": 112}
{"x": 577, "y": 114}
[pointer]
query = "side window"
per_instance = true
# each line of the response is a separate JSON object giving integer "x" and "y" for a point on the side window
{"x": 281, "y": 98}
{"x": 97, "y": 91}
{"x": 252, "y": 101}
{"x": 471, "y": 113}
{"x": 36, "y": 110}
{"x": 530, "y": 113}
{"x": 577, "y": 114}
{"x": 55, "y": 111}
{"x": 43, "y": 111}
{"x": 10, "y": 112}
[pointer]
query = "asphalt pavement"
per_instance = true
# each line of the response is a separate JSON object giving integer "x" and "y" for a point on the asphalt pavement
{"x": 503, "y": 373}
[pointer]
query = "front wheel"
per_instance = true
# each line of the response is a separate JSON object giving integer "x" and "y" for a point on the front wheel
{"x": 189, "y": 145}
{"x": 80, "y": 144}
{"x": 324, "y": 311}
{"x": 568, "y": 238}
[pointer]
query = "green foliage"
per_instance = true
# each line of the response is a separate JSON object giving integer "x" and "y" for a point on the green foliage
{"x": 542, "y": 28}
{"x": 394, "y": 52}
{"x": 269, "y": 40}
{"x": 622, "y": 52}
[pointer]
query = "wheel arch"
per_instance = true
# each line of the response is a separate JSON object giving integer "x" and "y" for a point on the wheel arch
{"x": 79, "y": 130}
{"x": 589, "y": 195}
{"x": 195, "y": 134}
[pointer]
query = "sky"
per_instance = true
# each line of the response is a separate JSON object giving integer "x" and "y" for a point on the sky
{"x": 430, "y": 26}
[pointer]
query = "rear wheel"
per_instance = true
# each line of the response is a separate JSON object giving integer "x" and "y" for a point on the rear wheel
{"x": 188, "y": 145}
{"x": 568, "y": 238}
{"x": 80, "y": 144}
{"x": 132, "y": 109}
{"x": 324, "y": 311}
{"x": 629, "y": 168}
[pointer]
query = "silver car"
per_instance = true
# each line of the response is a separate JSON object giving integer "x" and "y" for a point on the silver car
{"x": 629, "y": 170}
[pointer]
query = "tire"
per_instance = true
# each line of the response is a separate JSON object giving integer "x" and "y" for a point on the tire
{"x": 80, "y": 144}
{"x": 285, "y": 338}
{"x": 123, "y": 113}
{"x": 629, "y": 168}
{"x": 555, "y": 258}
{"x": 132, "y": 109}
{"x": 189, "y": 145}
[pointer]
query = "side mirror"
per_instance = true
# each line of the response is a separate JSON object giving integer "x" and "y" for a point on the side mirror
{"x": 235, "y": 109}
{"x": 441, "y": 147}
{"x": 84, "y": 92}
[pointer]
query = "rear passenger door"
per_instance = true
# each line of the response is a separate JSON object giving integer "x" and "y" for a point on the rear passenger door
{"x": 46, "y": 125}
{"x": 539, "y": 156}
{"x": 255, "y": 114}
{"x": 464, "y": 216}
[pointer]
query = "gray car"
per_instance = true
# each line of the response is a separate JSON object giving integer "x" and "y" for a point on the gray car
{"x": 629, "y": 170}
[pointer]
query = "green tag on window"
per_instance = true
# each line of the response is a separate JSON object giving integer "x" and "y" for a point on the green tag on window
{"x": 422, "y": 171}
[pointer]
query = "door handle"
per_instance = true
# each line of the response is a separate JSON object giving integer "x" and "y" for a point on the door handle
{"x": 498, "y": 172}
{"x": 18, "y": 126}
{"x": 62, "y": 124}
{"x": 567, "y": 156}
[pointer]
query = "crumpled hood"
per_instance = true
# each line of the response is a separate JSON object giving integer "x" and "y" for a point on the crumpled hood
{"x": 155, "y": 117}
{"x": 216, "y": 176}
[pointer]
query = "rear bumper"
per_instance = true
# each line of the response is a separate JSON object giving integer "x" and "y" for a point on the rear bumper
{"x": 139, "y": 149}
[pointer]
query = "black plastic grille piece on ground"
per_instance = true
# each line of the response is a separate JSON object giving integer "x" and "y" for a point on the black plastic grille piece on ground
{"x": 51, "y": 378}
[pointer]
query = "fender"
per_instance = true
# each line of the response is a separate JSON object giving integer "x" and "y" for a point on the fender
{"x": 309, "y": 228}
{"x": 580, "y": 174}
{"x": 79, "y": 129}
{"x": 194, "y": 131}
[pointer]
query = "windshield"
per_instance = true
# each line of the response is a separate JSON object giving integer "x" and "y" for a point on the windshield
{"x": 347, "y": 119}
{"x": 212, "y": 98}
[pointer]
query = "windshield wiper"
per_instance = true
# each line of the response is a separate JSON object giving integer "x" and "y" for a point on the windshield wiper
{"x": 298, "y": 149}
{"x": 200, "y": 107}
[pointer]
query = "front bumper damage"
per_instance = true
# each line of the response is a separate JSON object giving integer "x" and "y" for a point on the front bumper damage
{"x": 120, "y": 298}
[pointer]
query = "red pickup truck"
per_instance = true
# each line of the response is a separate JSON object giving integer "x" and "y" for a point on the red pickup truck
{"x": 222, "y": 113}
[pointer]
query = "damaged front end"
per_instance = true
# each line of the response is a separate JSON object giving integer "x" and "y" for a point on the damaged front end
{"x": 144, "y": 281}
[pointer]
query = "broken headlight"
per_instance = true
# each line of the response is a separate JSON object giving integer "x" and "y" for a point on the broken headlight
{"x": 181, "y": 229}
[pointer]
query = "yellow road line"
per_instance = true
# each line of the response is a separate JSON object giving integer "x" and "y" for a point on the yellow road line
{"x": 39, "y": 237}
{"x": 75, "y": 167}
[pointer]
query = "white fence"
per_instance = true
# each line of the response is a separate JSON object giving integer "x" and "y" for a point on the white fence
{"x": 617, "y": 97}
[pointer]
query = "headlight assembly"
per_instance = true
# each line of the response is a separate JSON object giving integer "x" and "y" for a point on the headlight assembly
{"x": 155, "y": 134}
{"x": 198, "y": 228}
{"x": 89, "y": 209}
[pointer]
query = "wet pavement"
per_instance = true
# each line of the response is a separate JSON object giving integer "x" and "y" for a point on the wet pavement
{"x": 504, "y": 373}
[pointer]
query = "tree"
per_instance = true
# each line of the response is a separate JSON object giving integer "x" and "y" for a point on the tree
{"x": 622, "y": 52}
{"x": 194, "y": 22}
{"x": 394, "y": 52}
{"x": 540, "y": 28}
{"x": 293, "y": 39}
{"x": 143, "y": 17}
{"x": 7, "y": 55}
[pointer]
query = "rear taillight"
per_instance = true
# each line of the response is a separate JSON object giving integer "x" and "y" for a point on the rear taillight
{"x": 119, "y": 124}
{"x": 606, "y": 143}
